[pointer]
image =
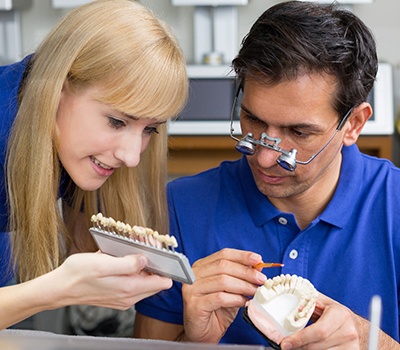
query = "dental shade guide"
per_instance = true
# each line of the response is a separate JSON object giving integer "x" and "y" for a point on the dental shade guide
{"x": 120, "y": 239}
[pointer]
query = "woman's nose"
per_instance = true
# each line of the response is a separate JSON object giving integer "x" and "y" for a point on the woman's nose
{"x": 129, "y": 150}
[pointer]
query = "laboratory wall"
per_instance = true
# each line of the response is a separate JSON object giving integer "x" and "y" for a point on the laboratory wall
{"x": 382, "y": 16}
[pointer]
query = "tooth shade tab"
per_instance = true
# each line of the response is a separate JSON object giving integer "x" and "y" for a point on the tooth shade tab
{"x": 138, "y": 233}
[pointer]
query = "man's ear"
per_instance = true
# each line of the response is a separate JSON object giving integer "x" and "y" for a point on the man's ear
{"x": 356, "y": 122}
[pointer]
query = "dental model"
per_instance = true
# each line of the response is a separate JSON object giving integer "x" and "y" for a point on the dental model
{"x": 120, "y": 239}
{"x": 282, "y": 306}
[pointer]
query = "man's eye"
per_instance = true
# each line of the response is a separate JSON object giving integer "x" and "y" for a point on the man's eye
{"x": 116, "y": 123}
{"x": 251, "y": 119}
{"x": 299, "y": 134}
{"x": 151, "y": 130}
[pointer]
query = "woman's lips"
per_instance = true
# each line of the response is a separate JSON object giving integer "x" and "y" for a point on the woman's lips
{"x": 101, "y": 168}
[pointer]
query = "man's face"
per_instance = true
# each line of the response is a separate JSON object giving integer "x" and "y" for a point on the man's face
{"x": 300, "y": 113}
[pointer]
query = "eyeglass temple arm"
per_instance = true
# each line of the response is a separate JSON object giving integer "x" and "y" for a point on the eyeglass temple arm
{"x": 339, "y": 127}
{"x": 233, "y": 111}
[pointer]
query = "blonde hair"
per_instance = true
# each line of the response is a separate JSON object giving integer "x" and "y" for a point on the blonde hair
{"x": 133, "y": 55}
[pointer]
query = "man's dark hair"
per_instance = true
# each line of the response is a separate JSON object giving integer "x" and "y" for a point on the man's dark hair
{"x": 295, "y": 37}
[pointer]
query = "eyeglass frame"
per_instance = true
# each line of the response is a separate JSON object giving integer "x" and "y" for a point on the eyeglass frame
{"x": 287, "y": 159}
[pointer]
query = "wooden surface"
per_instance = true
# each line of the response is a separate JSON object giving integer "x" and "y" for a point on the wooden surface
{"x": 192, "y": 154}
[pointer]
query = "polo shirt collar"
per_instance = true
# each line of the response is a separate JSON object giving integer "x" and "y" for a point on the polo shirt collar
{"x": 341, "y": 207}
{"x": 339, "y": 210}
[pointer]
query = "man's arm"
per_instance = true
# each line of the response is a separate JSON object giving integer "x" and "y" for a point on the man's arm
{"x": 151, "y": 328}
{"x": 385, "y": 341}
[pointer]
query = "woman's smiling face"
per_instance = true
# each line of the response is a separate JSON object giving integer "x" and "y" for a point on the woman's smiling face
{"x": 95, "y": 139}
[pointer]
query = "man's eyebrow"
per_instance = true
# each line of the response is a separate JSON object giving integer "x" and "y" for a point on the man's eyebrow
{"x": 303, "y": 126}
{"x": 247, "y": 111}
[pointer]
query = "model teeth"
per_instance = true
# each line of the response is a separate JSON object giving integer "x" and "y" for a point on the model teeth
{"x": 95, "y": 161}
{"x": 138, "y": 233}
{"x": 282, "y": 306}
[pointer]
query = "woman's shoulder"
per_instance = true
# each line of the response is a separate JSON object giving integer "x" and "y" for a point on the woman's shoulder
{"x": 15, "y": 71}
{"x": 10, "y": 81}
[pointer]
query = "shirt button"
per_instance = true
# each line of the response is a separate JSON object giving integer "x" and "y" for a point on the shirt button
{"x": 282, "y": 221}
{"x": 293, "y": 254}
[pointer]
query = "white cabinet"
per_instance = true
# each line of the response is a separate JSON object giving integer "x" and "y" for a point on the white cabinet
{"x": 67, "y": 3}
{"x": 10, "y": 29}
{"x": 209, "y": 2}
{"x": 14, "y": 4}
{"x": 343, "y": 1}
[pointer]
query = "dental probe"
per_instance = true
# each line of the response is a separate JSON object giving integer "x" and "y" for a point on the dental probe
{"x": 263, "y": 265}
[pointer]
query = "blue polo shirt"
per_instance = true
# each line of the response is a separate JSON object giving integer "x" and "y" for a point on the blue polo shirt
{"x": 350, "y": 252}
{"x": 10, "y": 81}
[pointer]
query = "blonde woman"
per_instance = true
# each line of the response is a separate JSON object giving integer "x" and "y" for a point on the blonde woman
{"x": 77, "y": 116}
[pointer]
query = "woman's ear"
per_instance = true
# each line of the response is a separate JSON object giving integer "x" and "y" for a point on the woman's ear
{"x": 65, "y": 85}
{"x": 356, "y": 122}
{"x": 65, "y": 90}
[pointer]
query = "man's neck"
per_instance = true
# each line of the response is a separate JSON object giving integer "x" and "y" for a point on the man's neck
{"x": 308, "y": 205}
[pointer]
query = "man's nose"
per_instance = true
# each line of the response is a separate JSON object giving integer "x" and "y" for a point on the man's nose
{"x": 266, "y": 157}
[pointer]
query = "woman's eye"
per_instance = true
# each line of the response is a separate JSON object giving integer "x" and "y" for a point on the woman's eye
{"x": 151, "y": 130}
{"x": 116, "y": 123}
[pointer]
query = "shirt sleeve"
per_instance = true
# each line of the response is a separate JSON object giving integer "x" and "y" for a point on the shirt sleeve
{"x": 167, "y": 305}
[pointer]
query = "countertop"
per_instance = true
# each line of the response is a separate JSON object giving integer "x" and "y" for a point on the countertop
{"x": 14, "y": 339}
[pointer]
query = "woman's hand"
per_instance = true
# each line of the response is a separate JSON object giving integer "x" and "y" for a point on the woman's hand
{"x": 103, "y": 280}
{"x": 86, "y": 278}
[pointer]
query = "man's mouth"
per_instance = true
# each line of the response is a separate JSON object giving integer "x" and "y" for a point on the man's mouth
{"x": 100, "y": 164}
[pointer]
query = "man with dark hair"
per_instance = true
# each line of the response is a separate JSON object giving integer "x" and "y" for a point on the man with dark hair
{"x": 303, "y": 194}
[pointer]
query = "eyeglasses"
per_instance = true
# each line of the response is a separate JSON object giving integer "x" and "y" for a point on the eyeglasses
{"x": 287, "y": 159}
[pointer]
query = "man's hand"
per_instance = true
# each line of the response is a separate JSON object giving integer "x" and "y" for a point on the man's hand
{"x": 335, "y": 327}
{"x": 224, "y": 281}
